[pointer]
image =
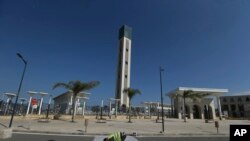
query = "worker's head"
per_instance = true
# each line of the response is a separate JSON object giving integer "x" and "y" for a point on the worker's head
{"x": 123, "y": 136}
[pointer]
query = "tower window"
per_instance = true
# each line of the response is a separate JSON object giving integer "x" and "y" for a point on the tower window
{"x": 127, "y": 49}
{"x": 126, "y": 76}
{"x": 126, "y": 62}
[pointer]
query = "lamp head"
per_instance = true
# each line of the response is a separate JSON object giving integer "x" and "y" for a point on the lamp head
{"x": 20, "y": 56}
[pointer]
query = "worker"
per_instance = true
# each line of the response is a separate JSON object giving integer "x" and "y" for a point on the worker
{"x": 116, "y": 136}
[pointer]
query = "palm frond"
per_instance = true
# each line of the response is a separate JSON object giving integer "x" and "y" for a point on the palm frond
{"x": 91, "y": 84}
{"x": 76, "y": 87}
{"x": 60, "y": 84}
{"x": 131, "y": 92}
{"x": 79, "y": 86}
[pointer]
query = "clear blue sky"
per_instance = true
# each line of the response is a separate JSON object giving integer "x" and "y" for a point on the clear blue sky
{"x": 198, "y": 43}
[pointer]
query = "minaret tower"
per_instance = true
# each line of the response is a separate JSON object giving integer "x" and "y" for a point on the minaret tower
{"x": 124, "y": 65}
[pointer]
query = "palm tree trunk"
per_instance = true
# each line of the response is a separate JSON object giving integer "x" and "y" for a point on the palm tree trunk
{"x": 73, "y": 106}
{"x": 129, "y": 112}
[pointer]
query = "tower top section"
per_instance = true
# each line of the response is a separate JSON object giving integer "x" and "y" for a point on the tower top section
{"x": 125, "y": 31}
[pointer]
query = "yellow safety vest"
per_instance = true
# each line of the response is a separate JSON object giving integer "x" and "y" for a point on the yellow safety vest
{"x": 115, "y": 136}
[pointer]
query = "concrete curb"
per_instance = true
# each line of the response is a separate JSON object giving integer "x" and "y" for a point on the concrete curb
{"x": 138, "y": 134}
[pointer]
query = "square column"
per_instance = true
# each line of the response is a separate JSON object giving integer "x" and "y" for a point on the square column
{"x": 219, "y": 107}
{"x": 31, "y": 94}
{"x": 84, "y": 104}
{"x": 41, "y": 102}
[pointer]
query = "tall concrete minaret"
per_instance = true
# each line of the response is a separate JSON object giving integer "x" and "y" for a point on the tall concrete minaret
{"x": 124, "y": 65}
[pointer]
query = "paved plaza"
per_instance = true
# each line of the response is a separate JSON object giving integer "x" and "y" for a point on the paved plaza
{"x": 143, "y": 127}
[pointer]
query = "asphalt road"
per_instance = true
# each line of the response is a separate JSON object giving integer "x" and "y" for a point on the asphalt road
{"x": 183, "y": 139}
{"x": 47, "y": 137}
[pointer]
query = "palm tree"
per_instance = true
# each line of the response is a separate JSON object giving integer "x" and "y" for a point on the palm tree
{"x": 192, "y": 95}
{"x": 131, "y": 93}
{"x": 76, "y": 87}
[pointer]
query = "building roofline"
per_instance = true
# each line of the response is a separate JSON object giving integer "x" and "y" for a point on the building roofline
{"x": 69, "y": 92}
{"x": 60, "y": 95}
{"x": 235, "y": 95}
{"x": 213, "y": 91}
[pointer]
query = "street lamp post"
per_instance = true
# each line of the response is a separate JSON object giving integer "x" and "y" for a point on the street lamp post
{"x": 162, "y": 112}
{"x": 19, "y": 89}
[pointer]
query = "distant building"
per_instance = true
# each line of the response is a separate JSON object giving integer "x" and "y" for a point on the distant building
{"x": 154, "y": 108}
{"x": 196, "y": 109}
{"x": 63, "y": 103}
{"x": 236, "y": 105}
{"x": 124, "y": 65}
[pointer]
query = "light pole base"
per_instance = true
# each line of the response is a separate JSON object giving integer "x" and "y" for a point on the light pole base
{"x": 162, "y": 132}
